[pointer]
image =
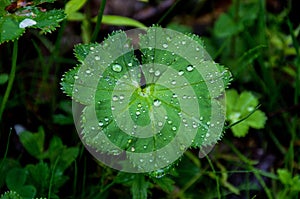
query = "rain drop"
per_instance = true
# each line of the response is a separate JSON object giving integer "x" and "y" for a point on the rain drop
{"x": 88, "y": 71}
{"x": 151, "y": 70}
{"x": 157, "y": 73}
{"x": 137, "y": 113}
{"x": 180, "y": 73}
{"x": 132, "y": 149}
{"x": 97, "y": 58}
{"x": 117, "y": 68}
{"x": 165, "y": 45}
{"x": 122, "y": 97}
{"x": 173, "y": 82}
{"x": 115, "y": 98}
{"x": 157, "y": 103}
{"x": 189, "y": 68}
{"x": 174, "y": 128}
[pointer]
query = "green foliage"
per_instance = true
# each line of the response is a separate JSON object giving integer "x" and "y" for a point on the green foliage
{"x": 145, "y": 110}
{"x": 291, "y": 184}
{"x": 34, "y": 142}
{"x": 3, "y": 78}
{"x": 241, "y": 106}
{"x": 36, "y": 179}
{"x": 10, "y": 195}
{"x": 15, "y": 181}
{"x": 73, "y": 6}
{"x": 13, "y": 24}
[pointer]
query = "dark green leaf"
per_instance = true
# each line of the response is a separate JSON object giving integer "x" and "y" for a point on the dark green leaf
{"x": 139, "y": 187}
{"x": 5, "y": 166}
{"x": 33, "y": 142}
{"x": 165, "y": 183}
{"x": 15, "y": 178}
{"x": 3, "y": 78}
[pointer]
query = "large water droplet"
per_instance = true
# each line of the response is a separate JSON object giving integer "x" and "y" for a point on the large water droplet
{"x": 97, "y": 58}
{"x": 165, "y": 45}
{"x": 157, "y": 103}
{"x": 189, "y": 68}
{"x": 157, "y": 73}
{"x": 117, "y": 68}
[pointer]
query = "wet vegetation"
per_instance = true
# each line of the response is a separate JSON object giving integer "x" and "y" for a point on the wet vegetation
{"x": 41, "y": 154}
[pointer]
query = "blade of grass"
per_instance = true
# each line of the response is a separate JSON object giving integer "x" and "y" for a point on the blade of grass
{"x": 168, "y": 12}
{"x": 99, "y": 20}
{"x": 11, "y": 78}
{"x": 6, "y": 150}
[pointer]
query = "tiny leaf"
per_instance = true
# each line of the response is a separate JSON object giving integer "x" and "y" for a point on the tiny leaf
{"x": 33, "y": 142}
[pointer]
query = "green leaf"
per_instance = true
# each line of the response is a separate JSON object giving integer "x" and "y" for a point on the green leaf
{"x": 66, "y": 158}
{"x": 240, "y": 107}
{"x": 165, "y": 183}
{"x": 109, "y": 20}
{"x": 3, "y": 78}
{"x": 38, "y": 175}
{"x": 257, "y": 120}
{"x": 27, "y": 191}
{"x": 15, "y": 178}
{"x": 240, "y": 130}
{"x": 9, "y": 28}
{"x": 49, "y": 21}
{"x": 33, "y": 142}
{"x": 74, "y": 5}
{"x": 121, "y": 21}
{"x": 226, "y": 27}
{"x": 139, "y": 187}
{"x": 5, "y": 166}
{"x": 138, "y": 106}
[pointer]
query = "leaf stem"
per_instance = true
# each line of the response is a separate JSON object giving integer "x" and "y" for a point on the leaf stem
{"x": 99, "y": 20}
{"x": 11, "y": 78}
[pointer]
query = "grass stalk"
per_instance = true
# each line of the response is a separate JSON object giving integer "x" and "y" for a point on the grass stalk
{"x": 99, "y": 20}
{"x": 11, "y": 78}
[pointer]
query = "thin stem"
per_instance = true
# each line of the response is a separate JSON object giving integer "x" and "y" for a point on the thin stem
{"x": 11, "y": 78}
{"x": 99, "y": 20}
{"x": 168, "y": 12}
{"x": 216, "y": 176}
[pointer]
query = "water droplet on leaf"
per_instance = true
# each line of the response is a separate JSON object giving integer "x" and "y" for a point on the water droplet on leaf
{"x": 117, "y": 68}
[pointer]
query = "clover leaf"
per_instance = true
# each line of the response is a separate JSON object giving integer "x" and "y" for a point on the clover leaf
{"x": 146, "y": 96}
{"x": 241, "y": 106}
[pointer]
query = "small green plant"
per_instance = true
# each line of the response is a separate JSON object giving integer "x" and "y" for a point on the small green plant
{"x": 291, "y": 184}
{"x": 242, "y": 113}
{"x": 42, "y": 179}
{"x": 148, "y": 111}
